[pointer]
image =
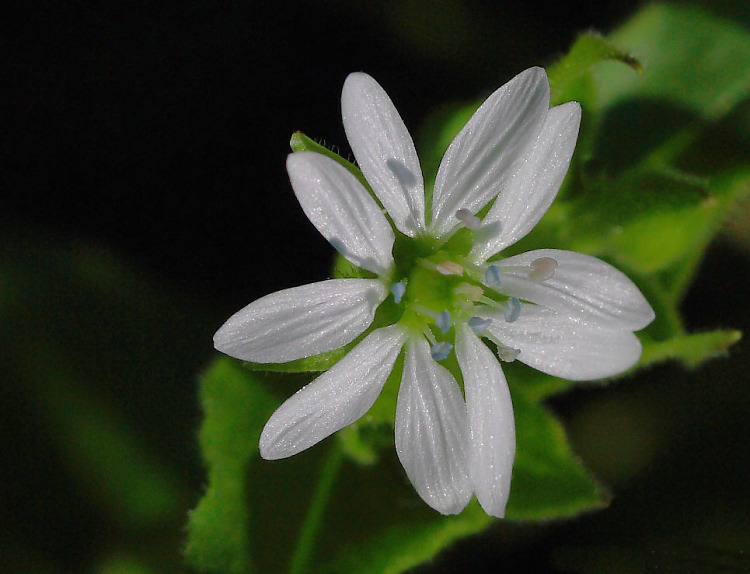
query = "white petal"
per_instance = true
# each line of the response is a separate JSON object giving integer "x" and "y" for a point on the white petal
{"x": 491, "y": 423}
{"x": 521, "y": 205}
{"x": 431, "y": 431}
{"x": 335, "y": 399}
{"x": 486, "y": 153}
{"x": 574, "y": 349}
{"x": 342, "y": 210}
{"x": 582, "y": 287}
{"x": 384, "y": 150}
{"x": 302, "y": 321}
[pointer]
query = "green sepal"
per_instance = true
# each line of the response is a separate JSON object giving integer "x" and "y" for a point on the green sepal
{"x": 316, "y": 363}
{"x": 301, "y": 142}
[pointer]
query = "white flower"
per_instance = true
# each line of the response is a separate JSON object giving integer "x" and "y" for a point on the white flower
{"x": 566, "y": 314}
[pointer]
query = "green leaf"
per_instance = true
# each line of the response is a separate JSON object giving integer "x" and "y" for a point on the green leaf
{"x": 235, "y": 410}
{"x": 549, "y": 481}
{"x": 355, "y": 515}
{"x": 404, "y": 538}
{"x": 690, "y": 58}
{"x": 655, "y": 223}
{"x": 690, "y": 350}
{"x": 643, "y": 220}
{"x": 726, "y": 189}
{"x": 589, "y": 50}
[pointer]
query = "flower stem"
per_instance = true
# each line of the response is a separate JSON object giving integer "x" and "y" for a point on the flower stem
{"x": 310, "y": 527}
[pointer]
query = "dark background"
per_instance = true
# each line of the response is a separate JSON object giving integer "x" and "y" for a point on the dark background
{"x": 161, "y": 130}
{"x": 155, "y": 135}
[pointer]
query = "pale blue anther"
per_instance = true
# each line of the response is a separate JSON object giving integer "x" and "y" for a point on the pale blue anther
{"x": 479, "y": 325}
{"x": 398, "y": 290}
{"x": 492, "y": 276}
{"x": 440, "y": 351}
{"x": 512, "y": 310}
{"x": 443, "y": 321}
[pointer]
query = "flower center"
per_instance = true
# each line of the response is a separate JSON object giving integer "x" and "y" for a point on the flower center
{"x": 439, "y": 288}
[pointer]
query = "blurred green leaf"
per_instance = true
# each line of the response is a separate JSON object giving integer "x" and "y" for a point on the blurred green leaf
{"x": 726, "y": 189}
{"x": 404, "y": 538}
{"x": 690, "y": 58}
{"x": 54, "y": 295}
{"x": 103, "y": 450}
{"x": 549, "y": 481}
{"x": 435, "y": 135}
{"x": 644, "y": 220}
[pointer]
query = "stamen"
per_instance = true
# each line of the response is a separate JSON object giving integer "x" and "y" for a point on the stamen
{"x": 443, "y": 321}
{"x": 440, "y": 351}
{"x": 479, "y": 325}
{"x": 468, "y": 219}
{"x": 398, "y": 290}
{"x": 507, "y": 354}
{"x": 542, "y": 268}
{"x": 512, "y": 310}
{"x": 449, "y": 268}
{"x": 492, "y": 276}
